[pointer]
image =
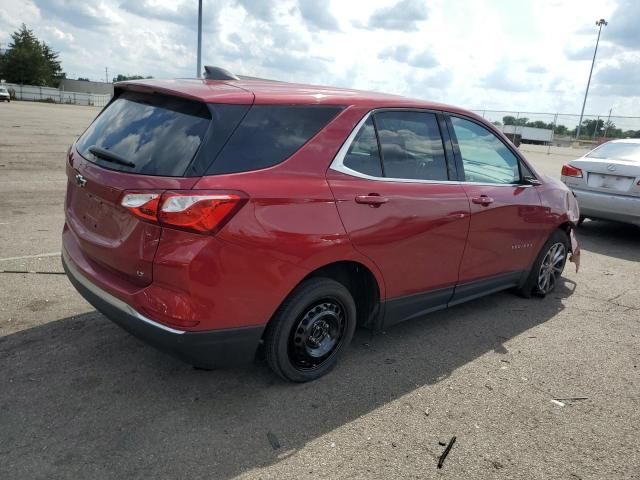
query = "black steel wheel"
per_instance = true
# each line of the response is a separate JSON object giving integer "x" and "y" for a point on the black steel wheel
{"x": 310, "y": 330}
{"x": 317, "y": 334}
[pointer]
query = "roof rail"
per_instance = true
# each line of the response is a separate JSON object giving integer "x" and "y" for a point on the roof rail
{"x": 217, "y": 73}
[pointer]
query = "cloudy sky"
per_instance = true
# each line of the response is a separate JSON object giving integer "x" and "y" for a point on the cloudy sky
{"x": 481, "y": 54}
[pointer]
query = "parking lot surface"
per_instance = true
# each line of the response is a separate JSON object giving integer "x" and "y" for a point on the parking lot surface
{"x": 535, "y": 389}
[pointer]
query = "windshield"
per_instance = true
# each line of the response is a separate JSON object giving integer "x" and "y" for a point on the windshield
{"x": 617, "y": 151}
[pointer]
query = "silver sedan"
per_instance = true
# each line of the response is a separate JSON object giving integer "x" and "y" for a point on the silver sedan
{"x": 606, "y": 181}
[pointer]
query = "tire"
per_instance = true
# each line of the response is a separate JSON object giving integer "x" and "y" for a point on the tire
{"x": 547, "y": 267}
{"x": 310, "y": 330}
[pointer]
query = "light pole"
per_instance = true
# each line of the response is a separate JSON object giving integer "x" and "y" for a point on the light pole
{"x": 599, "y": 23}
{"x": 199, "y": 66}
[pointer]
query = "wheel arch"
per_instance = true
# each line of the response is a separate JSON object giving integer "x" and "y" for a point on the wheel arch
{"x": 361, "y": 281}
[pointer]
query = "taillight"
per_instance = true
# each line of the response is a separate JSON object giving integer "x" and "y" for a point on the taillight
{"x": 570, "y": 171}
{"x": 200, "y": 212}
{"x": 143, "y": 205}
{"x": 193, "y": 210}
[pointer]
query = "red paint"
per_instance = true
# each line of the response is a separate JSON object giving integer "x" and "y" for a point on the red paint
{"x": 298, "y": 216}
{"x": 416, "y": 239}
{"x": 504, "y": 234}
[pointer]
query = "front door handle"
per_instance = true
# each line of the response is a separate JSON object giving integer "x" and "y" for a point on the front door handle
{"x": 373, "y": 199}
{"x": 482, "y": 200}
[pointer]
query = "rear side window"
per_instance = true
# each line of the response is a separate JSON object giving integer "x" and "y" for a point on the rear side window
{"x": 363, "y": 155}
{"x": 411, "y": 145}
{"x": 148, "y": 134}
{"x": 269, "y": 134}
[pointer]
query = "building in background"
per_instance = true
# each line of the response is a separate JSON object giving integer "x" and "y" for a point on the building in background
{"x": 521, "y": 134}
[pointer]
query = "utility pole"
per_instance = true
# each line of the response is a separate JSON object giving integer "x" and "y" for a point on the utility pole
{"x": 199, "y": 67}
{"x": 599, "y": 24}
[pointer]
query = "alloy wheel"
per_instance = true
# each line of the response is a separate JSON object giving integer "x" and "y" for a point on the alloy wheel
{"x": 551, "y": 267}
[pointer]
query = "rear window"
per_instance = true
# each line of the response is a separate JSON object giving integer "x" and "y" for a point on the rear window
{"x": 159, "y": 135}
{"x": 269, "y": 134}
{"x": 617, "y": 151}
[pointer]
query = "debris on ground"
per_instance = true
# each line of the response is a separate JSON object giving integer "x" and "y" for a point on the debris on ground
{"x": 32, "y": 271}
{"x": 273, "y": 440}
{"x": 446, "y": 452}
{"x": 558, "y": 403}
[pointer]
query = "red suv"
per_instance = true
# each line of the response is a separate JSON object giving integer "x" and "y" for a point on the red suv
{"x": 215, "y": 218}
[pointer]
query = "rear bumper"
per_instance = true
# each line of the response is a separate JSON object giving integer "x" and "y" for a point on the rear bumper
{"x": 208, "y": 349}
{"x": 607, "y": 206}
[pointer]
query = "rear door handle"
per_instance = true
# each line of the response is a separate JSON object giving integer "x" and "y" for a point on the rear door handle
{"x": 482, "y": 200}
{"x": 373, "y": 199}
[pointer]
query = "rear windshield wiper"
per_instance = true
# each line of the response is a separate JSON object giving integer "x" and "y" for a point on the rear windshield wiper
{"x": 110, "y": 156}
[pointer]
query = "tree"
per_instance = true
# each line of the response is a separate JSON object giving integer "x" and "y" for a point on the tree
{"x": 539, "y": 124}
{"x": 30, "y": 61}
{"x": 121, "y": 78}
{"x": 83, "y": 79}
{"x": 591, "y": 128}
{"x": 631, "y": 134}
{"x": 511, "y": 120}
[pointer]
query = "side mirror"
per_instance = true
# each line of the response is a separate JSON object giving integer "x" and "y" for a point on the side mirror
{"x": 531, "y": 181}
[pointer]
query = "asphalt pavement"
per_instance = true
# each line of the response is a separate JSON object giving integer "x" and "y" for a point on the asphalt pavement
{"x": 531, "y": 389}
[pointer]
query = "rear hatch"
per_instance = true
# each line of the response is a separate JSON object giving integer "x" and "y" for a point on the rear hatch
{"x": 142, "y": 142}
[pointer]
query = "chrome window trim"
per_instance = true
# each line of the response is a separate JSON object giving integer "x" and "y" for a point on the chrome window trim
{"x": 115, "y": 302}
{"x": 338, "y": 161}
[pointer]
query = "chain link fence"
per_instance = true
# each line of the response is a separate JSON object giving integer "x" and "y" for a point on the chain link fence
{"x": 53, "y": 95}
{"x": 561, "y": 129}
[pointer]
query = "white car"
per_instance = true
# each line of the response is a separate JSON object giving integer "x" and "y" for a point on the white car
{"x": 606, "y": 181}
{"x": 4, "y": 94}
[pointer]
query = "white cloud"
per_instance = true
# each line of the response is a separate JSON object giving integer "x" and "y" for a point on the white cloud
{"x": 403, "y": 15}
{"x": 502, "y": 55}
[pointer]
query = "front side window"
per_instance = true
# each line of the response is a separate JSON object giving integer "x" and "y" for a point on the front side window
{"x": 363, "y": 155}
{"x": 484, "y": 157}
{"x": 411, "y": 145}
